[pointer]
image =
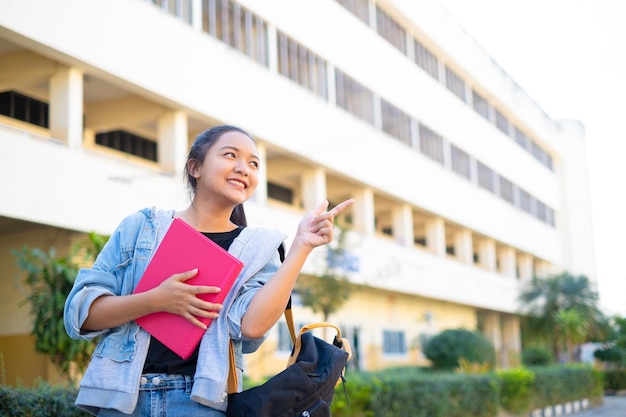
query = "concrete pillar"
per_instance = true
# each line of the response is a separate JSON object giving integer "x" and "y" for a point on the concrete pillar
{"x": 196, "y": 15}
{"x": 487, "y": 255}
{"x": 492, "y": 330}
{"x": 402, "y": 220}
{"x": 436, "y": 236}
{"x": 172, "y": 139}
{"x": 363, "y": 218}
{"x": 260, "y": 194}
{"x": 66, "y": 106}
{"x": 506, "y": 258}
{"x": 511, "y": 341}
{"x": 313, "y": 183}
{"x": 272, "y": 48}
{"x": 525, "y": 266}
{"x": 463, "y": 248}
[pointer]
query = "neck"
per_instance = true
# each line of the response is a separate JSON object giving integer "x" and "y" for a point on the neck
{"x": 207, "y": 219}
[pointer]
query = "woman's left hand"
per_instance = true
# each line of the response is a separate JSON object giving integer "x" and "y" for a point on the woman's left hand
{"x": 316, "y": 228}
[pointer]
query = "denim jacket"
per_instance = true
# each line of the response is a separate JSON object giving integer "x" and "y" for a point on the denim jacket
{"x": 112, "y": 377}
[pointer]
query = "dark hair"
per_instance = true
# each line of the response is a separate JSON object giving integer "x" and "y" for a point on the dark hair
{"x": 198, "y": 151}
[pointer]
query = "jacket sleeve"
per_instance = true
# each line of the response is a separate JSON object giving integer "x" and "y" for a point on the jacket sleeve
{"x": 105, "y": 277}
{"x": 241, "y": 303}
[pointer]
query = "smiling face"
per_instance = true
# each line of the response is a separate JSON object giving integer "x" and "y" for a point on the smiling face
{"x": 229, "y": 172}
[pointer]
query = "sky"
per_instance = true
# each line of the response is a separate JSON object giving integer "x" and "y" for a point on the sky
{"x": 570, "y": 58}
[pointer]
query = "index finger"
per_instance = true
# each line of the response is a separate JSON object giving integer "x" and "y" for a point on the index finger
{"x": 339, "y": 208}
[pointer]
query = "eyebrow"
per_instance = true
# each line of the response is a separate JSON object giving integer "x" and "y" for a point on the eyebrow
{"x": 234, "y": 148}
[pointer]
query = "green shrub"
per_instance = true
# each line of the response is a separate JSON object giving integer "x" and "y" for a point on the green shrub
{"x": 41, "y": 401}
{"x": 446, "y": 348}
{"x": 516, "y": 390}
{"x": 560, "y": 384}
{"x": 615, "y": 380}
{"x": 537, "y": 356}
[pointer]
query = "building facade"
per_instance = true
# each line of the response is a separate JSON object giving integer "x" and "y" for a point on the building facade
{"x": 465, "y": 189}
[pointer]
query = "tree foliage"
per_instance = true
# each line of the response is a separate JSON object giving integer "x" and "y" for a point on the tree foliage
{"x": 48, "y": 281}
{"x": 548, "y": 304}
{"x": 327, "y": 292}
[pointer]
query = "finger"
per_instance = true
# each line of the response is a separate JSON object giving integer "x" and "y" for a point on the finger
{"x": 205, "y": 289}
{"x": 339, "y": 208}
{"x": 184, "y": 276}
{"x": 321, "y": 208}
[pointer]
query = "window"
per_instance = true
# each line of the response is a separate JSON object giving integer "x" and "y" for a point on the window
{"x": 521, "y": 139}
{"x": 396, "y": 123}
{"x": 284, "y": 337}
{"x": 480, "y": 105}
{"x": 426, "y": 60}
{"x": 390, "y": 30}
{"x": 506, "y": 190}
{"x": 280, "y": 193}
{"x": 359, "y": 8}
{"x": 178, "y": 8}
{"x": 127, "y": 142}
{"x": 524, "y": 200}
{"x": 460, "y": 161}
{"x": 24, "y": 108}
{"x": 301, "y": 65}
{"x": 502, "y": 123}
{"x": 455, "y": 84}
{"x": 236, "y": 26}
{"x": 485, "y": 176}
{"x": 354, "y": 97}
{"x": 431, "y": 144}
{"x": 394, "y": 342}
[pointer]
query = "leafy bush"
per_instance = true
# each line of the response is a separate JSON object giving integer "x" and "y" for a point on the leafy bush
{"x": 537, "y": 356}
{"x": 516, "y": 390}
{"x": 41, "y": 401}
{"x": 615, "y": 380}
{"x": 615, "y": 355}
{"x": 445, "y": 349}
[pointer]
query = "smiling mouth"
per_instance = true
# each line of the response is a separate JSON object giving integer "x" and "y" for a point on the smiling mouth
{"x": 239, "y": 184}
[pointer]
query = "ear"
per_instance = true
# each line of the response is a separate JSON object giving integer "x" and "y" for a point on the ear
{"x": 194, "y": 168}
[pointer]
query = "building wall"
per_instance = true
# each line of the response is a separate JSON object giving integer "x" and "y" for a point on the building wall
{"x": 431, "y": 247}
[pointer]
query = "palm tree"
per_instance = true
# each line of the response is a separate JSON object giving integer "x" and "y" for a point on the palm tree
{"x": 543, "y": 299}
{"x": 572, "y": 328}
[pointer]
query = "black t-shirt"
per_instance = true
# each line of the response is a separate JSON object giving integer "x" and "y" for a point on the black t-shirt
{"x": 160, "y": 358}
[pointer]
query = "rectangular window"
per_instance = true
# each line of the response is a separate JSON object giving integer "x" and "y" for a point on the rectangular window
{"x": 455, "y": 84}
{"x": 506, "y": 190}
{"x": 280, "y": 193}
{"x": 128, "y": 143}
{"x": 389, "y": 29}
{"x": 394, "y": 342}
{"x": 359, "y": 8}
{"x": 236, "y": 26}
{"x": 524, "y": 200}
{"x": 502, "y": 123}
{"x": 460, "y": 161}
{"x": 396, "y": 122}
{"x": 480, "y": 105}
{"x": 485, "y": 177}
{"x": 431, "y": 144}
{"x": 520, "y": 138}
{"x": 353, "y": 97}
{"x": 426, "y": 59}
{"x": 301, "y": 65}
{"x": 178, "y": 8}
{"x": 24, "y": 108}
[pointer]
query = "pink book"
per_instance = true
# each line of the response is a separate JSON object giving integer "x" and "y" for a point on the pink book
{"x": 183, "y": 248}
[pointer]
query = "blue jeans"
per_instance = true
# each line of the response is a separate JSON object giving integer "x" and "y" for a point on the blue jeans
{"x": 162, "y": 395}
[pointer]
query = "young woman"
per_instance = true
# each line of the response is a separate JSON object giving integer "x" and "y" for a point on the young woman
{"x": 132, "y": 373}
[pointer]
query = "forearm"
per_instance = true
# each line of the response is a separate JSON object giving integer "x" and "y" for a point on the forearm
{"x": 110, "y": 311}
{"x": 269, "y": 302}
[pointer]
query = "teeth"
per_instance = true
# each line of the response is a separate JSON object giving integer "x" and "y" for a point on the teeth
{"x": 237, "y": 183}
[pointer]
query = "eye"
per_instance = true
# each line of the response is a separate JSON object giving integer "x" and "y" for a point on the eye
{"x": 230, "y": 154}
{"x": 254, "y": 164}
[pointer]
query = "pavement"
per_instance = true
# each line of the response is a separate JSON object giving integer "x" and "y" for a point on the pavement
{"x": 612, "y": 406}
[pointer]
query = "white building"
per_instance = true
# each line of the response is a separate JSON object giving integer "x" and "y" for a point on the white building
{"x": 465, "y": 189}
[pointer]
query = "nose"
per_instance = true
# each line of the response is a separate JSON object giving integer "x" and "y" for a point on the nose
{"x": 242, "y": 168}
